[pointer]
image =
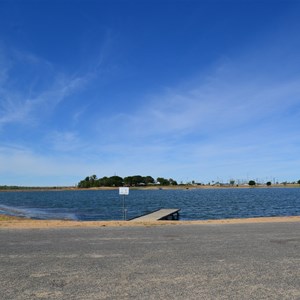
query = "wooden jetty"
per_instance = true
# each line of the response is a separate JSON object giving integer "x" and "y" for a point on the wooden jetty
{"x": 161, "y": 214}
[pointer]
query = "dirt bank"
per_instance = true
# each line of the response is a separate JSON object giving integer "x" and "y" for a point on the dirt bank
{"x": 19, "y": 223}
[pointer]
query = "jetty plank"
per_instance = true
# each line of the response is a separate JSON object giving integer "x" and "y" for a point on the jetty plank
{"x": 161, "y": 214}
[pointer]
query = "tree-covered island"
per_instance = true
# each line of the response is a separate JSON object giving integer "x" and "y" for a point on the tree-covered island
{"x": 116, "y": 181}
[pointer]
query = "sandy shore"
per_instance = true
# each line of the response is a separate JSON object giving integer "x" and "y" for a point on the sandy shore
{"x": 19, "y": 223}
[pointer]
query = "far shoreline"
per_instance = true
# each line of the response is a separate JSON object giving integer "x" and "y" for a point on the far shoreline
{"x": 147, "y": 188}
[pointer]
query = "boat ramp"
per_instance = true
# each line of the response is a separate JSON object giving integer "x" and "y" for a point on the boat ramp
{"x": 161, "y": 214}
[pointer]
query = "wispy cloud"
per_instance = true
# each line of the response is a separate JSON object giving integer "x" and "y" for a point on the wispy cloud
{"x": 64, "y": 141}
{"x": 35, "y": 92}
{"x": 246, "y": 92}
{"x": 210, "y": 107}
{"x": 20, "y": 165}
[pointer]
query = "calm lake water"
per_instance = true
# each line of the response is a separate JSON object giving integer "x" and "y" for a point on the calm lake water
{"x": 195, "y": 204}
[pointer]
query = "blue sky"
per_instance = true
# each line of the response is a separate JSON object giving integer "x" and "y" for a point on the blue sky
{"x": 189, "y": 90}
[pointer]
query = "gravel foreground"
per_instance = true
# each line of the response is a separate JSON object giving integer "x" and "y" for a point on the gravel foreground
{"x": 209, "y": 261}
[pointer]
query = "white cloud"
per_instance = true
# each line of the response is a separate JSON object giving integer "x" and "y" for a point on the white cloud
{"x": 64, "y": 141}
{"x": 26, "y": 97}
{"x": 208, "y": 107}
{"x": 22, "y": 166}
{"x": 15, "y": 108}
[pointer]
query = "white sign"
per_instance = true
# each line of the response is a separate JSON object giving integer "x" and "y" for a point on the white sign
{"x": 123, "y": 190}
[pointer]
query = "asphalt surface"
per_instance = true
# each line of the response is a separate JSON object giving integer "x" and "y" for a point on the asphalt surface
{"x": 248, "y": 261}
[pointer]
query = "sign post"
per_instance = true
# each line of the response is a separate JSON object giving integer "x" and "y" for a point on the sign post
{"x": 124, "y": 191}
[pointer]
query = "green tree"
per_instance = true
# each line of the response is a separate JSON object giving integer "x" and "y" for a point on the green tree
{"x": 252, "y": 183}
{"x": 298, "y": 181}
{"x": 163, "y": 181}
{"x": 269, "y": 183}
{"x": 134, "y": 180}
{"x": 104, "y": 181}
{"x": 137, "y": 180}
{"x": 116, "y": 181}
{"x": 172, "y": 181}
{"x": 92, "y": 180}
{"x": 85, "y": 183}
{"x": 128, "y": 181}
{"x": 149, "y": 180}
